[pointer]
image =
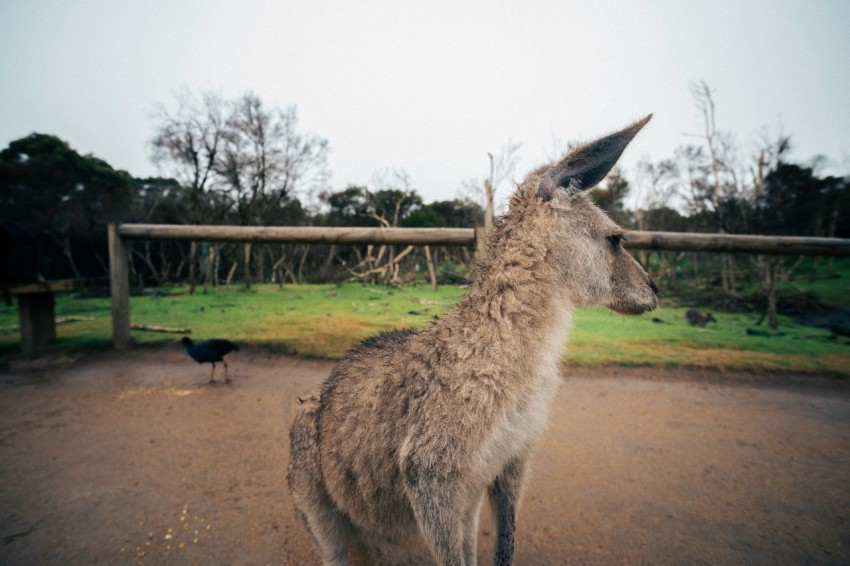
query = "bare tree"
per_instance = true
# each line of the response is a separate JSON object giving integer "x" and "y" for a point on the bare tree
{"x": 265, "y": 162}
{"x": 241, "y": 158}
{"x": 502, "y": 168}
{"x": 187, "y": 146}
{"x": 722, "y": 179}
{"x": 657, "y": 185}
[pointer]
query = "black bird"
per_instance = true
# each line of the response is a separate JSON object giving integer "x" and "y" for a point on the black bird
{"x": 212, "y": 351}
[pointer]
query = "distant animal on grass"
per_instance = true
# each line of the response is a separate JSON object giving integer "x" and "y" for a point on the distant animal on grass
{"x": 696, "y": 318}
{"x": 412, "y": 428}
{"x": 210, "y": 351}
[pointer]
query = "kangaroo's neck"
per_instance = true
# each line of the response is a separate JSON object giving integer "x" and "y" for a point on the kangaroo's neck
{"x": 516, "y": 313}
{"x": 514, "y": 319}
{"x": 519, "y": 305}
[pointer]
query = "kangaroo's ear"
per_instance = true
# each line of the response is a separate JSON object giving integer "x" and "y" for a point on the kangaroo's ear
{"x": 585, "y": 166}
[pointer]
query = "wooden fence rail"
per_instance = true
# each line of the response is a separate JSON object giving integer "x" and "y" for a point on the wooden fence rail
{"x": 637, "y": 240}
{"x": 737, "y": 243}
{"x": 300, "y": 234}
{"x": 119, "y": 234}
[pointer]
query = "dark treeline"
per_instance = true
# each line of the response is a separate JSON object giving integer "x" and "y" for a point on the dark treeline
{"x": 241, "y": 162}
{"x": 66, "y": 200}
{"x": 227, "y": 162}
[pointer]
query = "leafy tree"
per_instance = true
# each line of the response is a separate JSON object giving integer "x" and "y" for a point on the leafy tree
{"x": 65, "y": 199}
{"x": 797, "y": 202}
{"x": 358, "y": 206}
{"x": 348, "y": 207}
{"x": 390, "y": 206}
{"x": 446, "y": 214}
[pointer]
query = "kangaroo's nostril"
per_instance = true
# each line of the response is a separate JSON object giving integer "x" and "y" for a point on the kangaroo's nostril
{"x": 653, "y": 286}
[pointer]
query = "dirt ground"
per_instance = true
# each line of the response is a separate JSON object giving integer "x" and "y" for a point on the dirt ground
{"x": 125, "y": 457}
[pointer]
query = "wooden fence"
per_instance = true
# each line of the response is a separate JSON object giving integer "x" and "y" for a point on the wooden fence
{"x": 119, "y": 234}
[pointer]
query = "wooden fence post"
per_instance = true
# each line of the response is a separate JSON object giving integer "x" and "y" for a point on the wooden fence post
{"x": 120, "y": 288}
{"x": 480, "y": 242}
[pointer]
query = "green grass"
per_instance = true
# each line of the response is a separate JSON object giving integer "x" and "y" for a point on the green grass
{"x": 321, "y": 321}
{"x": 324, "y": 321}
{"x": 601, "y": 337}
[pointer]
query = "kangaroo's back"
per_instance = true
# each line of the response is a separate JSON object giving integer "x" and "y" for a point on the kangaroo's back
{"x": 363, "y": 415}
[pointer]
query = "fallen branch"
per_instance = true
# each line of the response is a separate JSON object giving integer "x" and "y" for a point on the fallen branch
{"x": 381, "y": 270}
{"x": 155, "y": 328}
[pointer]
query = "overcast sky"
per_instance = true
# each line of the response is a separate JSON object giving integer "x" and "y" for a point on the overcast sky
{"x": 431, "y": 87}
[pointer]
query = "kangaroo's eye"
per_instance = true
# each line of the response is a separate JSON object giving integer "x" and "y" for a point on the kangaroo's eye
{"x": 615, "y": 240}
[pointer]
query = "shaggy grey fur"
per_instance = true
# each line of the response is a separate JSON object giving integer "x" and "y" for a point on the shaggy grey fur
{"x": 411, "y": 429}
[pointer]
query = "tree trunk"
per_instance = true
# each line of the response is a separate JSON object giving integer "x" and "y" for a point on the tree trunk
{"x": 210, "y": 267}
{"x": 326, "y": 266}
{"x": 216, "y": 266}
{"x": 302, "y": 262}
{"x": 164, "y": 263}
{"x": 146, "y": 258}
{"x": 730, "y": 284}
{"x": 193, "y": 260}
{"x": 778, "y": 274}
{"x": 772, "y": 291}
{"x": 763, "y": 273}
{"x": 179, "y": 269}
{"x": 277, "y": 270}
{"x": 432, "y": 272}
{"x": 261, "y": 265}
{"x": 232, "y": 272}
{"x": 66, "y": 249}
{"x": 247, "y": 263}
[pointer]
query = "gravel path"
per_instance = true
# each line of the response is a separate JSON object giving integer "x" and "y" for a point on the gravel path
{"x": 130, "y": 457}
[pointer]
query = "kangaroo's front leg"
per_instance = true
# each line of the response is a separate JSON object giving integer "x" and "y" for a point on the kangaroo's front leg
{"x": 504, "y": 495}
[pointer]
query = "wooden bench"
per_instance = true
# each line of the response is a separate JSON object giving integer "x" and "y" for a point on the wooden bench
{"x": 37, "y": 312}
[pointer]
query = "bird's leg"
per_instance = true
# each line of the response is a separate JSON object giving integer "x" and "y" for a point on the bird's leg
{"x": 226, "y": 377}
{"x": 212, "y": 373}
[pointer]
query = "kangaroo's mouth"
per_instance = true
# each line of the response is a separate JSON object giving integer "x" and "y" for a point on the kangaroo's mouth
{"x": 633, "y": 310}
{"x": 635, "y": 305}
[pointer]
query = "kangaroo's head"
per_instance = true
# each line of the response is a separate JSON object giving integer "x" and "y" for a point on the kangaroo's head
{"x": 583, "y": 245}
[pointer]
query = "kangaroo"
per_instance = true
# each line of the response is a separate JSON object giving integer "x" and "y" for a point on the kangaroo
{"x": 411, "y": 429}
{"x": 696, "y": 318}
